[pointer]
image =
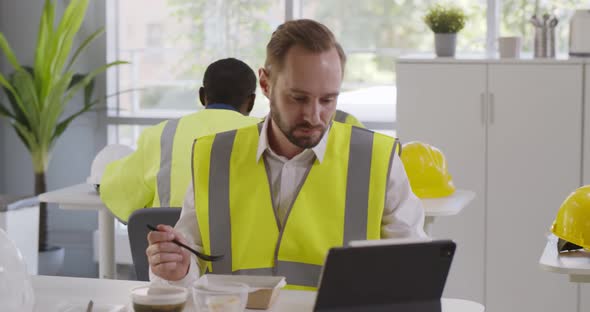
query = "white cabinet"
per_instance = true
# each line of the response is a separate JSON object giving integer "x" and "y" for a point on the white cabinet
{"x": 440, "y": 104}
{"x": 534, "y": 161}
{"x": 585, "y": 288}
{"x": 512, "y": 132}
{"x": 22, "y": 227}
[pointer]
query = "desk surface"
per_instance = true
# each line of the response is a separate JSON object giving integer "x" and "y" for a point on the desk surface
{"x": 447, "y": 206}
{"x": 52, "y": 292}
{"x": 84, "y": 197}
{"x": 573, "y": 263}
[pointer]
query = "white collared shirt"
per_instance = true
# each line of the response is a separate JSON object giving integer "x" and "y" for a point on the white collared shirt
{"x": 403, "y": 214}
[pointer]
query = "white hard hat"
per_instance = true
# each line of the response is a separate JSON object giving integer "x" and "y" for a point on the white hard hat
{"x": 16, "y": 290}
{"x": 108, "y": 154}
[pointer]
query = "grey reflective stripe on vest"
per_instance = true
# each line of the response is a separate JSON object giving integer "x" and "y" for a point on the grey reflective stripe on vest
{"x": 298, "y": 273}
{"x": 262, "y": 271}
{"x": 164, "y": 174}
{"x": 396, "y": 144}
{"x": 357, "y": 185}
{"x": 219, "y": 212}
{"x": 356, "y": 208}
{"x": 340, "y": 116}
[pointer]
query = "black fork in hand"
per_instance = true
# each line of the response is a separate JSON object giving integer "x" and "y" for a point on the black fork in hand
{"x": 201, "y": 256}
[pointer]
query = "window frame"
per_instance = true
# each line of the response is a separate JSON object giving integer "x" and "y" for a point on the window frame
{"x": 293, "y": 10}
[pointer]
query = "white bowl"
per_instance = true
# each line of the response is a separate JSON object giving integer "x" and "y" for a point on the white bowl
{"x": 159, "y": 298}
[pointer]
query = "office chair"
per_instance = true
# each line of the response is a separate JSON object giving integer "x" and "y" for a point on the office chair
{"x": 137, "y": 231}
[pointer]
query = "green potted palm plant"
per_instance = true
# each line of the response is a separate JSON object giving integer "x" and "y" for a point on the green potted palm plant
{"x": 37, "y": 96}
{"x": 445, "y": 22}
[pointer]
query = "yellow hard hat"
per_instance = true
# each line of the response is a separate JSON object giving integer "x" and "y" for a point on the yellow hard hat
{"x": 572, "y": 223}
{"x": 427, "y": 170}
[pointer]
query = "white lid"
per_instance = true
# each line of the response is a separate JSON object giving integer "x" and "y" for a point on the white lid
{"x": 159, "y": 295}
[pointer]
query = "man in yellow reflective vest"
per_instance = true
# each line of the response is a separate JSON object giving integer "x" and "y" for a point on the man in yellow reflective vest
{"x": 158, "y": 173}
{"x": 275, "y": 197}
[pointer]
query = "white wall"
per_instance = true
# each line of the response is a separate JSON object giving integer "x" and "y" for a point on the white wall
{"x": 76, "y": 148}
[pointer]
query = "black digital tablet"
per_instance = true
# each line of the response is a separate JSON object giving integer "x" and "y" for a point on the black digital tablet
{"x": 404, "y": 277}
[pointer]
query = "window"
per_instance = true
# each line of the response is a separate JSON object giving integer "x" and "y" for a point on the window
{"x": 154, "y": 35}
{"x": 170, "y": 42}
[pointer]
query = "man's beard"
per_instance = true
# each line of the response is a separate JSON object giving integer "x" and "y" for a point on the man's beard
{"x": 302, "y": 142}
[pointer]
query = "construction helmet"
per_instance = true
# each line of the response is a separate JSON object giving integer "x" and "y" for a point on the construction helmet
{"x": 108, "y": 154}
{"x": 572, "y": 223}
{"x": 427, "y": 170}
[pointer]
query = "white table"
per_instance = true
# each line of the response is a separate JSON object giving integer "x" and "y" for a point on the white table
{"x": 84, "y": 197}
{"x": 53, "y": 291}
{"x": 445, "y": 206}
{"x": 576, "y": 263}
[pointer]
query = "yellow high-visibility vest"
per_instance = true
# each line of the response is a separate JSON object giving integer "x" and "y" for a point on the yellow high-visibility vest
{"x": 344, "y": 117}
{"x": 341, "y": 199}
{"x": 158, "y": 173}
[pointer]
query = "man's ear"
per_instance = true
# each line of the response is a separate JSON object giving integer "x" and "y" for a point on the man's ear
{"x": 264, "y": 80}
{"x": 202, "y": 97}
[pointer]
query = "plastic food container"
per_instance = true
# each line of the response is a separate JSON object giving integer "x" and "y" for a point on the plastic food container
{"x": 220, "y": 296}
{"x": 263, "y": 290}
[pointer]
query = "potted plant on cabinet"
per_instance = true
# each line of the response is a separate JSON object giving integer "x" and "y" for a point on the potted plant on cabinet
{"x": 38, "y": 95}
{"x": 445, "y": 22}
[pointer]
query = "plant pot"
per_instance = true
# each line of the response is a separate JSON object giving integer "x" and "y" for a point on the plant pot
{"x": 445, "y": 44}
{"x": 51, "y": 260}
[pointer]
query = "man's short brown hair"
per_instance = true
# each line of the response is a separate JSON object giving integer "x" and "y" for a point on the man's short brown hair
{"x": 306, "y": 33}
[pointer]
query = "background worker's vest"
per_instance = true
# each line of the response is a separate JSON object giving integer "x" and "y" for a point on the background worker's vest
{"x": 344, "y": 117}
{"x": 158, "y": 173}
{"x": 341, "y": 199}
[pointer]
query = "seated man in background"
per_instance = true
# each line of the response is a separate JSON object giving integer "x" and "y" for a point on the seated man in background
{"x": 158, "y": 173}
{"x": 294, "y": 186}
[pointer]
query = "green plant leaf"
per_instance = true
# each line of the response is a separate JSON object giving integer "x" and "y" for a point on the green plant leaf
{"x": 83, "y": 46}
{"x": 8, "y": 52}
{"x": 75, "y": 79}
{"x": 89, "y": 77}
{"x": 18, "y": 115}
{"x": 11, "y": 92}
{"x": 5, "y": 112}
{"x": 26, "y": 136}
{"x": 45, "y": 35}
{"x": 54, "y": 107}
{"x": 445, "y": 18}
{"x": 63, "y": 125}
{"x": 88, "y": 91}
{"x": 66, "y": 30}
{"x": 25, "y": 86}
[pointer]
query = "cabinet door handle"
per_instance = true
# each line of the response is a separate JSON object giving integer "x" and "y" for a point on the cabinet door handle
{"x": 483, "y": 110}
{"x": 491, "y": 108}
